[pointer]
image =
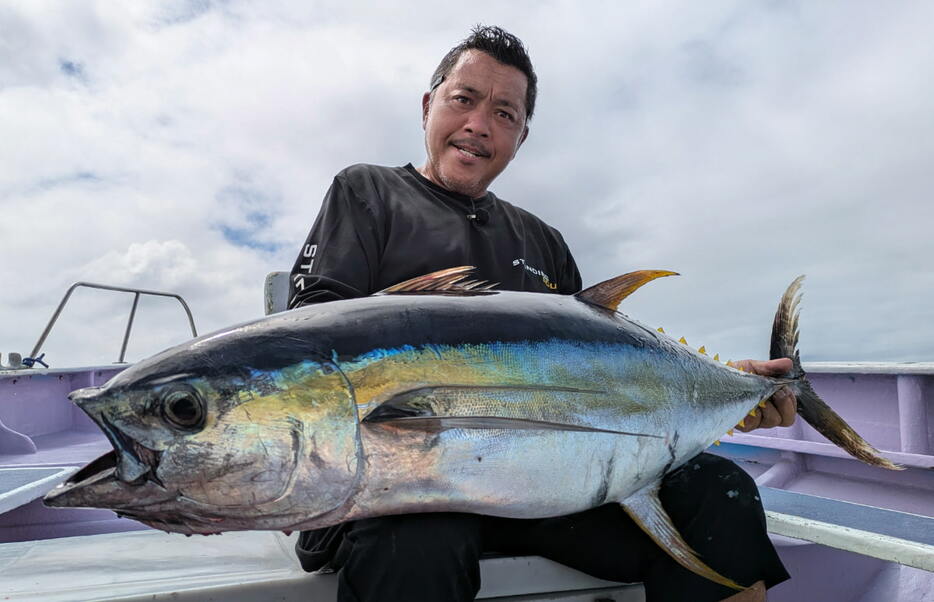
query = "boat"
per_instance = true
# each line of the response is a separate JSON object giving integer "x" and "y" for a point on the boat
{"x": 845, "y": 531}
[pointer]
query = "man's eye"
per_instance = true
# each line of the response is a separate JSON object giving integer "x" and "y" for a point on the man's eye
{"x": 507, "y": 115}
{"x": 461, "y": 99}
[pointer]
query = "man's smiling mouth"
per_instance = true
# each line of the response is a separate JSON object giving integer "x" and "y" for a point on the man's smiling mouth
{"x": 471, "y": 151}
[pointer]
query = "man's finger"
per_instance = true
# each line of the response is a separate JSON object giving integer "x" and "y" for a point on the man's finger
{"x": 786, "y": 405}
{"x": 777, "y": 367}
{"x": 770, "y": 416}
{"x": 750, "y": 423}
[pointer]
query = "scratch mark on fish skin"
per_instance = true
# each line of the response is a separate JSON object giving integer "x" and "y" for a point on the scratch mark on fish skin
{"x": 600, "y": 496}
{"x": 671, "y": 450}
{"x": 314, "y": 456}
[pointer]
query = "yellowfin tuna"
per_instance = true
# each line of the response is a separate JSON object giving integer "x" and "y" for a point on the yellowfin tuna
{"x": 435, "y": 395}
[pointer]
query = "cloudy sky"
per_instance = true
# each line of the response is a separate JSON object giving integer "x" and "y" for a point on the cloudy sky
{"x": 185, "y": 146}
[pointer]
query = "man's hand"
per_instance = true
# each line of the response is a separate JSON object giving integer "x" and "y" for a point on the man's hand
{"x": 780, "y": 408}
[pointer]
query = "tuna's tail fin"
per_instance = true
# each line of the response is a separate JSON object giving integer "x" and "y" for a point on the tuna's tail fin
{"x": 811, "y": 407}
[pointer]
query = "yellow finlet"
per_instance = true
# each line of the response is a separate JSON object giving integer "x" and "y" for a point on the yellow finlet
{"x": 683, "y": 341}
{"x": 752, "y": 412}
{"x": 730, "y": 432}
{"x": 742, "y": 423}
{"x": 762, "y": 404}
{"x": 702, "y": 349}
{"x": 729, "y": 363}
{"x": 716, "y": 357}
{"x": 660, "y": 329}
{"x": 717, "y": 442}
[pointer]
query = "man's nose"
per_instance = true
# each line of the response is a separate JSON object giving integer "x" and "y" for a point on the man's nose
{"x": 478, "y": 123}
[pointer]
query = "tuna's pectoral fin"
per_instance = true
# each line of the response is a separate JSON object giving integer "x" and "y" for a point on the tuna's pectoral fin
{"x": 444, "y": 407}
{"x": 609, "y": 293}
{"x": 439, "y": 423}
{"x": 646, "y": 510}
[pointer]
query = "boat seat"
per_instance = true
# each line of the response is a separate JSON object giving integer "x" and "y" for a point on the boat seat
{"x": 276, "y": 292}
{"x": 238, "y": 567}
{"x": 900, "y": 537}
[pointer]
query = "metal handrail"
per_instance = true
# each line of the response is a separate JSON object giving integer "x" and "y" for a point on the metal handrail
{"x": 126, "y": 336}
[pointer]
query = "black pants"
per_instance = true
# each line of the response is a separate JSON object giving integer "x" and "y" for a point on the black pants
{"x": 435, "y": 557}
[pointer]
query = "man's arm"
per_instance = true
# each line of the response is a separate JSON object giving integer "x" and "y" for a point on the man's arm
{"x": 341, "y": 253}
{"x": 569, "y": 278}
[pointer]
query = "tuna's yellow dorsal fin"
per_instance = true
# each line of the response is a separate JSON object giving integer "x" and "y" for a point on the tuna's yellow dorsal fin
{"x": 610, "y": 292}
{"x": 449, "y": 281}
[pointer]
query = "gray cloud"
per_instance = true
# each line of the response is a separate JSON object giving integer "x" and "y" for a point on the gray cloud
{"x": 187, "y": 148}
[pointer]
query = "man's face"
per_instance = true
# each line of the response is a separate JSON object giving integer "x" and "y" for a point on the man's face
{"x": 474, "y": 123}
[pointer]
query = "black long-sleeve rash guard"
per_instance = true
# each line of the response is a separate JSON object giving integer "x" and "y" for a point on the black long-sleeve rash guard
{"x": 379, "y": 226}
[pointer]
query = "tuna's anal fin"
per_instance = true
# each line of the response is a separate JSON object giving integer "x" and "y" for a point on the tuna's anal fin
{"x": 646, "y": 510}
{"x": 609, "y": 293}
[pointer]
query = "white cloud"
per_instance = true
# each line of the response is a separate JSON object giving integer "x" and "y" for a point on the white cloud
{"x": 187, "y": 147}
{"x": 168, "y": 263}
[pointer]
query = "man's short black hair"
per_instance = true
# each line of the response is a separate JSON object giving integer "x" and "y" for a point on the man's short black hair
{"x": 502, "y": 46}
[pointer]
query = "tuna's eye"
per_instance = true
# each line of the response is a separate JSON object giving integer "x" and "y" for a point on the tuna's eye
{"x": 183, "y": 409}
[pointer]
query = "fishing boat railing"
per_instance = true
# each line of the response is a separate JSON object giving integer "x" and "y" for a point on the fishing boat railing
{"x": 34, "y": 357}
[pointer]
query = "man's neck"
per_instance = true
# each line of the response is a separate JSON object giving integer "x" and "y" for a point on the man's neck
{"x": 428, "y": 175}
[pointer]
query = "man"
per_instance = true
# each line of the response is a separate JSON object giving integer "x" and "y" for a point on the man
{"x": 379, "y": 226}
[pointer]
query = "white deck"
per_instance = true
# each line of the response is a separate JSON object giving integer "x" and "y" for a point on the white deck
{"x": 236, "y": 567}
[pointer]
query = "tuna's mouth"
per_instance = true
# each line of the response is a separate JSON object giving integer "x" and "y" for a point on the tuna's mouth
{"x": 98, "y": 485}
{"x": 129, "y": 464}
{"x": 107, "y": 468}
{"x": 135, "y": 463}
{"x": 103, "y": 466}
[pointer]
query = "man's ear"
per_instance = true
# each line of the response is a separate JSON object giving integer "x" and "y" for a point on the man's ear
{"x": 426, "y": 102}
{"x": 525, "y": 134}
